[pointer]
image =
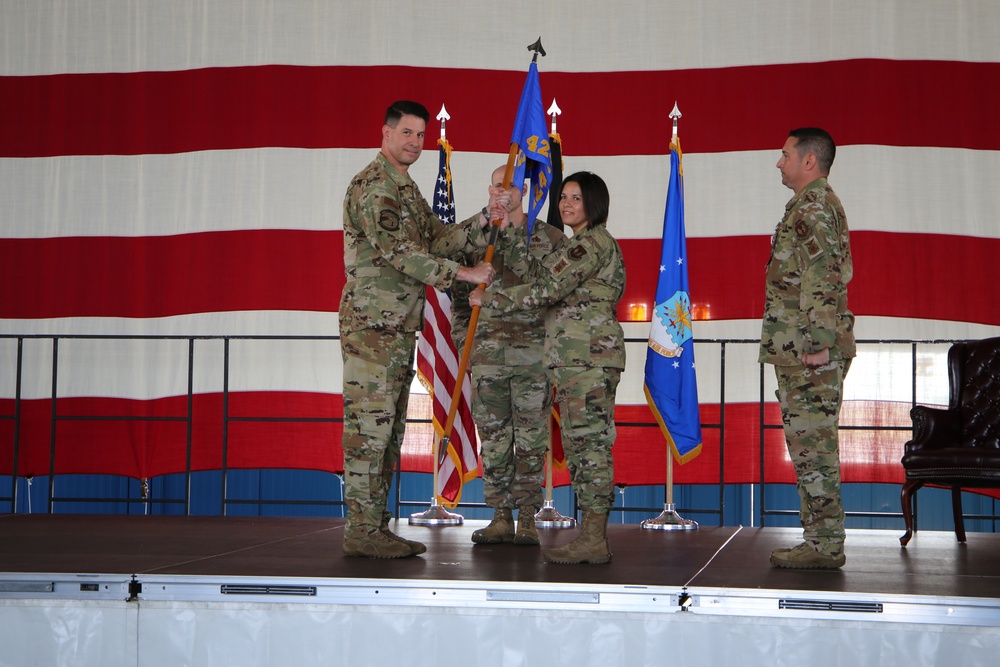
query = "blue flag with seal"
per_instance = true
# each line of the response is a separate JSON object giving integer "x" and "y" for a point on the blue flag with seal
{"x": 670, "y": 383}
{"x": 534, "y": 160}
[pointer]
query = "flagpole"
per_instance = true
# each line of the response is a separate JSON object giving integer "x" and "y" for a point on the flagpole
{"x": 549, "y": 516}
{"x": 436, "y": 514}
{"x": 474, "y": 318}
{"x": 669, "y": 519}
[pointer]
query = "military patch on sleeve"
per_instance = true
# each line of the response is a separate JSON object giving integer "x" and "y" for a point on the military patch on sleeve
{"x": 577, "y": 253}
{"x": 813, "y": 248}
{"x": 801, "y": 229}
{"x": 388, "y": 220}
{"x": 560, "y": 266}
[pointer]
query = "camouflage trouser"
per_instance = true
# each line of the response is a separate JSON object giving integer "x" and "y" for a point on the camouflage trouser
{"x": 511, "y": 405}
{"x": 586, "y": 398}
{"x": 378, "y": 370}
{"x": 810, "y": 401}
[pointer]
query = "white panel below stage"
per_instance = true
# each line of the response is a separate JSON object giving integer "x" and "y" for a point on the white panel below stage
{"x": 277, "y": 622}
{"x": 149, "y": 591}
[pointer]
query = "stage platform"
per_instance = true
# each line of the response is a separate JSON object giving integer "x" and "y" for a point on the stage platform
{"x": 158, "y": 590}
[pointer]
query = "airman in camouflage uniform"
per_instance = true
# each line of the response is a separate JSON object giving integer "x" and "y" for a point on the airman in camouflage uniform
{"x": 512, "y": 393}
{"x": 808, "y": 335}
{"x": 393, "y": 246}
{"x": 582, "y": 284}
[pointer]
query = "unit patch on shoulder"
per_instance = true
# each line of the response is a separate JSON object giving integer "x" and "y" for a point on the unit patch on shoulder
{"x": 801, "y": 229}
{"x": 577, "y": 252}
{"x": 813, "y": 248}
{"x": 560, "y": 266}
{"x": 388, "y": 220}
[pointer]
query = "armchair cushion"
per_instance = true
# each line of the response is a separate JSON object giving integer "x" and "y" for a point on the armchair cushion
{"x": 971, "y": 467}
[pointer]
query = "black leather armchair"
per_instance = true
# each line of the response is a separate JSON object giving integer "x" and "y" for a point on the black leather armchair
{"x": 958, "y": 447}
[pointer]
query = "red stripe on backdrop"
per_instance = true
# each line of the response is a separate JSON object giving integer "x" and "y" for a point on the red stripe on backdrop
{"x": 303, "y": 270}
{"x": 143, "y": 444}
{"x": 726, "y": 275}
{"x": 162, "y": 276}
{"x": 725, "y": 109}
{"x": 867, "y": 455}
{"x": 142, "y": 449}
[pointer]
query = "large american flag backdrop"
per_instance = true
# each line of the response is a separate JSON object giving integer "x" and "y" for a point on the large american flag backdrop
{"x": 178, "y": 169}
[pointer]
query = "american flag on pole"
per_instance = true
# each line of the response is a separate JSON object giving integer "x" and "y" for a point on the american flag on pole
{"x": 437, "y": 364}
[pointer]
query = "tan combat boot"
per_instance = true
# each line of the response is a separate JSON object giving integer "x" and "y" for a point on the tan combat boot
{"x": 805, "y": 557}
{"x": 526, "y": 533}
{"x": 360, "y": 543}
{"x": 500, "y": 530}
{"x": 416, "y": 547}
{"x": 590, "y": 546}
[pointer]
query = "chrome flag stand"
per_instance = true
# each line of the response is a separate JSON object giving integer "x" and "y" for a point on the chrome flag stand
{"x": 436, "y": 515}
{"x": 549, "y": 516}
{"x": 669, "y": 519}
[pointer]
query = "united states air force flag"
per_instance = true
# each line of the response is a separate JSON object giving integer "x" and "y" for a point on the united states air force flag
{"x": 531, "y": 134}
{"x": 671, "y": 387}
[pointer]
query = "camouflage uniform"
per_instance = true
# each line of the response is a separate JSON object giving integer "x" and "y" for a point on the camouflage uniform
{"x": 584, "y": 350}
{"x": 805, "y": 312}
{"x": 393, "y": 246}
{"x": 512, "y": 393}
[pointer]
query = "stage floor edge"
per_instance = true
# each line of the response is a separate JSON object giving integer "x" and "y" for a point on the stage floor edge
{"x": 707, "y": 581}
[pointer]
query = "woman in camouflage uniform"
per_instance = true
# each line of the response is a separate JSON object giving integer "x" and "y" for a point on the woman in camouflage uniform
{"x": 584, "y": 350}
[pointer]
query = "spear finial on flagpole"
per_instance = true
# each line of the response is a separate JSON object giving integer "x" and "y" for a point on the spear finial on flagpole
{"x": 554, "y": 111}
{"x": 443, "y": 116}
{"x": 537, "y": 48}
{"x": 675, "y": 114}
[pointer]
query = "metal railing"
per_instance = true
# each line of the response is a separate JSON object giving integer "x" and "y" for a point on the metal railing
{"x": 14, "y": 417}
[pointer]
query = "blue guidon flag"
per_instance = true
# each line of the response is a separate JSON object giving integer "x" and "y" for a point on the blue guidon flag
{"x": 531, "y": 134}
{"x": 670, "y": 383}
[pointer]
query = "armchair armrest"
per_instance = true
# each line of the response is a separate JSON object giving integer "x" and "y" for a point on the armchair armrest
{"x": 933, "y": 428}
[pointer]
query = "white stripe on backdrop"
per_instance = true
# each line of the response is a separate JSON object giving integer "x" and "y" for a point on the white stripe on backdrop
{"x": 931, "y": 190}
{"x": 62, "y": 36}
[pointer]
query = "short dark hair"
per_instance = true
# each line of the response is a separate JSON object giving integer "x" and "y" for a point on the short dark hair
{"x": 596, "y": 198}
{"x": 818, "y": 142}
{"x": 401, "y": 108}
